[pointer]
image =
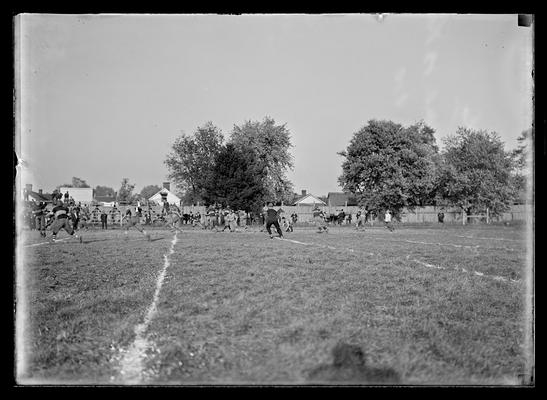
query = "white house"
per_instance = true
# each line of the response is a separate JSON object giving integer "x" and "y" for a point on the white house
{"x": 309, "y": 200}
{"x": 165, "y": 194}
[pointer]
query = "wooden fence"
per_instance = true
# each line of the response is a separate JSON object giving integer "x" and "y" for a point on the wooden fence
{"x": 427, "y": 214}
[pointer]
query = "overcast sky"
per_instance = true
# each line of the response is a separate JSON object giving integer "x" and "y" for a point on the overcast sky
{"x": 104, "y": 96}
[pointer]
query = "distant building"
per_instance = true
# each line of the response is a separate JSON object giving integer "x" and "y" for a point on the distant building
{"x": 80, "y": 195}
{"x": 308, "y": 199}
{"x": 29, "y": 194}
{"x": 165, "y": 194}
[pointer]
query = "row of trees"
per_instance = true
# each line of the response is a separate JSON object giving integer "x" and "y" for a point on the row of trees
{"x": 247, "y": 170}
{"x": 388, "y": 165}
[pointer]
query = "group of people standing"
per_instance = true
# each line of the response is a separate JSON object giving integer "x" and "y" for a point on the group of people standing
{"x": 363, "y": 216}
{"x": 217, "y": 217}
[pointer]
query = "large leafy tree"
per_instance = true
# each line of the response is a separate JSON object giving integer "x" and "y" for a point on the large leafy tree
{"x": 79, "y": 183}
{"x": 236, "y": 181}
{"x": 104, "y": 191}
{"x": 192, "y": 157}
{"x": 76, "y": 183}
{"x": 268, "y": 144}
{"x": 476, "y": 173}
{"x": 523, "y": 160}
{"x": 390, "y": 166}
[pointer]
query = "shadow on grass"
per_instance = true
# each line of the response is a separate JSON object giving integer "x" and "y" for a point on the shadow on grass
{"x": 349, "y": 366}
{"x": 86, "y": 241}
{"x": 125, "y": 240}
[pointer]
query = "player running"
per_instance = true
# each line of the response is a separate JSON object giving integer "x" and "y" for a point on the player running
{"x": 134, "y": 221}
{"x": 319, "y": 220}
{"x": 174, "y": 217}
{"x": 272, "y": 218}
{"x": 60, "y": 213}
{"x": 287, "y": 224}
{"x": 230, "y": 220}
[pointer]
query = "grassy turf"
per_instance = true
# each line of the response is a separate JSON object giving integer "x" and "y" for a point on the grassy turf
{"x": 84, "y": 300}
{"x": 243, "y": 308}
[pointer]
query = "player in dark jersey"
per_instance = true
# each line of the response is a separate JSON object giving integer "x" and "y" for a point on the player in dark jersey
{"x": 272, "y": 218}
{"x": 165, "y": 208}
{"x": 196, "y": 220}
{"x": 60, "y": 213}
{"x": 360, "y": 218}
{"x": 75, "y": 217}
{"x": 134, "y": 221}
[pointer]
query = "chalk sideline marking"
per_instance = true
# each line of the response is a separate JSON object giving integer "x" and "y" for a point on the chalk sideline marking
{"x": 475, "y": 247}
{"x": 495, "y": 277}
{"x": 132, "y": 361}
{"x": 440, "y": 244}
{"x": 322, "y": 246}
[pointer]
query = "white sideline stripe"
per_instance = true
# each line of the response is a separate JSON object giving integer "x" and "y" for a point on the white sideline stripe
{"x": 296, "y": 241}
{"x": 321, "y": 245}
{"x": 451, "y": 244}
{"x": 132, "y": 362}
{"x": 440, "y": 244}
{"x": 495, "y": 277}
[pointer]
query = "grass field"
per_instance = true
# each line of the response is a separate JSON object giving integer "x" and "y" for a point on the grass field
{"x": 421, "y": 305}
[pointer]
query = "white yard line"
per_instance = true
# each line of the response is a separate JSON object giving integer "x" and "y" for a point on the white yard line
{"x": 132, "y": 361}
